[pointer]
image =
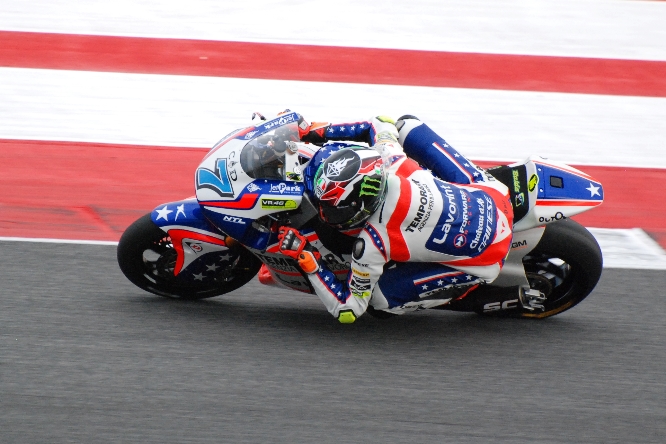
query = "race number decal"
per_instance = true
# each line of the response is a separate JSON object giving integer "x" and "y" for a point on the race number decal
{"x": 217, "y": 180}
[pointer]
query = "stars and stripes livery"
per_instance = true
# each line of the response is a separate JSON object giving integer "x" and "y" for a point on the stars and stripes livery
{"x": 464, "y": 229}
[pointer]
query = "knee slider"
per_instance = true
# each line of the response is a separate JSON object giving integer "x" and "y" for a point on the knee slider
{"x": 346, "y": 317}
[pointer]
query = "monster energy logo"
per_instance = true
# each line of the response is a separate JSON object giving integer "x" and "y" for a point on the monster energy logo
{"x": 370, "y": 186}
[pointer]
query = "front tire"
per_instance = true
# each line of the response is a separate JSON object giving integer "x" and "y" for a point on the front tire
{"x": 147, "y": 258}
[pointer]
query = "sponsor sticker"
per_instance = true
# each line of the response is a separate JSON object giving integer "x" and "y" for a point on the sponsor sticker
{"x": 520, "y": 199}
{"x": 233, "y": 219}
{"x": 452, "y": 213}
{"x": 370, "y": 186}
{"x": 516, "y": 181}
{"x": 533, "y": 182}
{"x": 360, "y": 273}
{"x": 197, "y": 248}
{"x": 460, "y": 241}
{"x": 426, "y": 203}
{"x": 360, "y": 287}
{"x": 252, "y": 187}
{"x": 557, "y": 216}
{"x": 278, "y": 262}
{"x": 280, "y": 121}
{"x": 278, "y": 204}
{"x": 519, "y": 244}
{"x": 284, "y": 188}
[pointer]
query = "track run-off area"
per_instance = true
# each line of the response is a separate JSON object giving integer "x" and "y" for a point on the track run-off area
{"x": 106, "y": 109}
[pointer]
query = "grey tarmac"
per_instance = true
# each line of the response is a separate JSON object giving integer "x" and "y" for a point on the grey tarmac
{"x": 87, "y": 357}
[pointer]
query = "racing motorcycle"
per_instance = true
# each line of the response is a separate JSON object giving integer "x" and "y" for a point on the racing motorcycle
{"x": 252, "y": 182}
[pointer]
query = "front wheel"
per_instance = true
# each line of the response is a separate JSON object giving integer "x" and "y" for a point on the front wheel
{"x": 565, "y": 266}
{"x": 147, "y": 258}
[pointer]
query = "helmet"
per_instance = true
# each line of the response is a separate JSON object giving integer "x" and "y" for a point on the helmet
{"x": 349, "y": 186}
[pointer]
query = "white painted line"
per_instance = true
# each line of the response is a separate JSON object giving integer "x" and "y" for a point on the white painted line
{"x": 198, "y": 111}
{"x": 621, "y": 248}
{"x": 56, "y": 241}
{"x": 629, "y": 248}
{"x": 576, "y": 28}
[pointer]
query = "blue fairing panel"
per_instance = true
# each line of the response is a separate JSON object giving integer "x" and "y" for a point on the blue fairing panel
{"x": 183, "y": 213}
{"x": 558, "y": 183}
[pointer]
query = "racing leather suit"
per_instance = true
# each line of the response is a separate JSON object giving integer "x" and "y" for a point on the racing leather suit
{"x": 459, "y": 218}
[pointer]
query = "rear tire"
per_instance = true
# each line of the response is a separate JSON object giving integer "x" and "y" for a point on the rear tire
{"x": 147, "y": 258}
{"x": 566, "y": 265}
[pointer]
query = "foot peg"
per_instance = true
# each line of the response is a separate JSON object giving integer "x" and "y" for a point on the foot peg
{"x": 532, "y": 299}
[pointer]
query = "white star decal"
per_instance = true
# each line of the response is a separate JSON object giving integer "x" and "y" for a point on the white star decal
{"x": 332, "y": 285}
{"x": 199, "y": 277}
{"x": 440, "y": 282}
{"x": 594, "y": 191}
{"x": 330, "y": 129}
{"x": 163, "y": 213}
{"x": 476, "y": 174}
{"x": 361, "y": 126}
{"x": 181, "y": 210}
{"x": 425, "y": 287}
{"x": 469, "y": 278}
{"x": 327, "y": 278}
{"x": 212, "y": 267}
{"x": 342, "y": 128}
{"x": 467, "y": 164}
{"x": 456, "y": 154}
{"x": 226, "y": 257}
{"x": 454, "y": 280}
{"x": 352, "y": 128}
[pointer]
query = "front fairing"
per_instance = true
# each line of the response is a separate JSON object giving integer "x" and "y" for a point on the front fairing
{"x": 251, "y": 175}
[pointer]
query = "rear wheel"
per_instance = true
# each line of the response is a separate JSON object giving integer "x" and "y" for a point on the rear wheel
{"x": 565, "y": 266}
{"x": 147, "y": 258}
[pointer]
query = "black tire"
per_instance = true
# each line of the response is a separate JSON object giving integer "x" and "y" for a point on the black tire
{"x": 566, "y": 266}
{"x": 156, "y": 274}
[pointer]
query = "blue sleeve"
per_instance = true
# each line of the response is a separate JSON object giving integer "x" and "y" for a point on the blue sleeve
{"x": 430, "y": 150}
{"x": 347, "y": 300}
{"x": 356, "y": 132}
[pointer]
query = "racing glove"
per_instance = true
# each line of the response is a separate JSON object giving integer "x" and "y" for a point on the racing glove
{"x": 385, "y": 129}
{"x": 303, "y": 125}
{"x": 294, "y": 245}
{"x": 386, "y": 137}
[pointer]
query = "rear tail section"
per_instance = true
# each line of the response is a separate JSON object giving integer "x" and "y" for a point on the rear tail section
{"x": 543, "y": 191}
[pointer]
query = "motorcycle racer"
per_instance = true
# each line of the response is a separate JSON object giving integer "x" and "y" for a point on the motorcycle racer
{"x": 453, "y": 219}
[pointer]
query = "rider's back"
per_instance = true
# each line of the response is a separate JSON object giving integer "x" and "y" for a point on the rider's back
{"x": 425, "y": 219}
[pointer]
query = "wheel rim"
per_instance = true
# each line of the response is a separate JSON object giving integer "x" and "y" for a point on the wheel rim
{"x": 159, "y": 260}
{"x": 550, "y": 275}
{"x": 159, "y": 263}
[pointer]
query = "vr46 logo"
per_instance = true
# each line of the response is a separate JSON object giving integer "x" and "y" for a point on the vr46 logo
{"x": 278, "y": 204}
{"x": 217, "y": 180}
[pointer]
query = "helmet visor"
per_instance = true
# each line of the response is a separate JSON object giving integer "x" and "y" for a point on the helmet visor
{"x": 342, "y": 216}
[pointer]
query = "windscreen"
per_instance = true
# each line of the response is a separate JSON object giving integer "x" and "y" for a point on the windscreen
{"x": 264, "y": 156}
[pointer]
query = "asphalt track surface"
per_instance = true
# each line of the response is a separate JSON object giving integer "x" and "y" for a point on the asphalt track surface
{"x": 87, "y": 357}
